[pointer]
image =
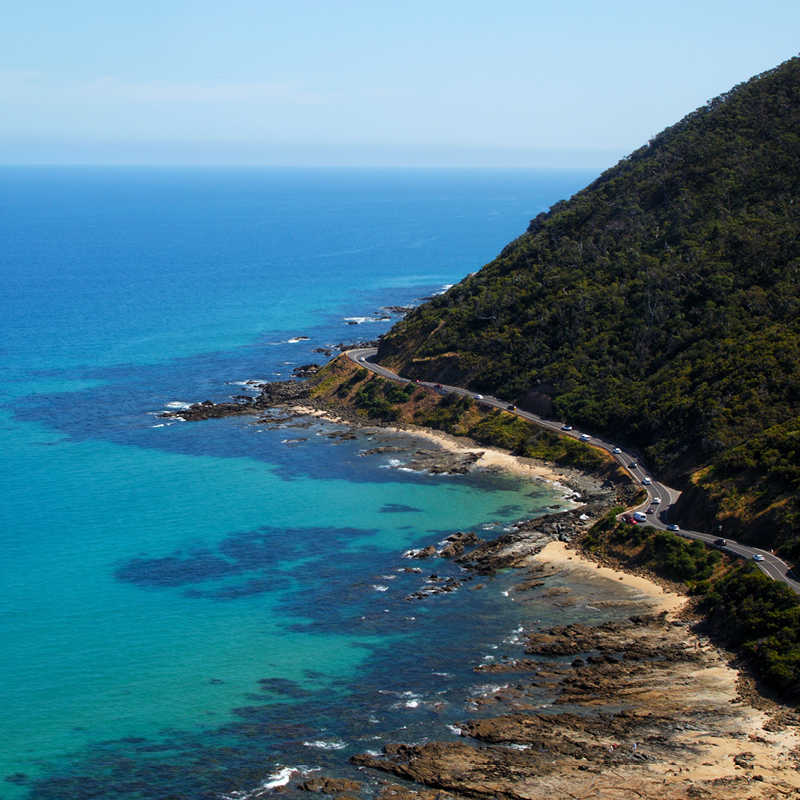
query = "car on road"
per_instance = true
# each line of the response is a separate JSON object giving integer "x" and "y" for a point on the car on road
{"x": 437, "y": 386}
{"x": 656, "y": 501}
{"x": 511, "y": 407}
{"x": 584, "y": 437}
{"x": 649, "y": 511}
{"x": 616, "y": 451}
{"x": 566, "y": 427}
{"x": 646, "y": 481}
{"x": 479, "y": 397}
{"x": 416, "y": 380}
{"x": 758, "y": 557}
{"x": 673, "y": 528}
{"x": 720, "y": 542}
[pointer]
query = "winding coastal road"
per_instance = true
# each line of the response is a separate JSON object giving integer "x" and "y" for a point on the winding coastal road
{"x": 660, "y": 497}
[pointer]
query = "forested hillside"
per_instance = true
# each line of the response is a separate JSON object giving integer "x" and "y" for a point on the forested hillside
{"x": 660, "y": 306}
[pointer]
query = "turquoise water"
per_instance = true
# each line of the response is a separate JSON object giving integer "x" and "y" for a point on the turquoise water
{"x": 187, "y": 608}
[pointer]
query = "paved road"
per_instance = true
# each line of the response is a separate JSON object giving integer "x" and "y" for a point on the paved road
{"x": 660, "y": 497}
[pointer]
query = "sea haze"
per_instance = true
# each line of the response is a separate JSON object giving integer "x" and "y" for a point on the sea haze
{"x": 192, "y": 608}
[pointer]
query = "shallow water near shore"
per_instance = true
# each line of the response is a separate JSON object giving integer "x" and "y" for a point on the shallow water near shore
{"x": 190, "y": 608}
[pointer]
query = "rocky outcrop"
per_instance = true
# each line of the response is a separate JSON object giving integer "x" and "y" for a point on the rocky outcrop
{"x": 644, "y": 713}
{"x": 516, "y": 547}
{"x": 271, "y": 396}
{"x": 458, "y": 542}
{"x": 306, "y": 371}
{"x": 330, "y": 785}
{"x": 442, "y": 462}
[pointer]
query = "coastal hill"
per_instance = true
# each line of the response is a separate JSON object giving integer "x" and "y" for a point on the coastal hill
{"x": 660, "y": 306}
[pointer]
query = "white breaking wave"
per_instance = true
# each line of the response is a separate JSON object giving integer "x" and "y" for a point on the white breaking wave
{"x": 488, "y": 688}
{"x": 514, "y": 636}
{"x": 323, "y": 745}
{"x": 380, "y": 588}
{"x": 280, "y": 778}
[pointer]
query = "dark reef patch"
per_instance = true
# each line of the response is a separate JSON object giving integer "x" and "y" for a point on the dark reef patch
{"x": 176, "y": 570}
{"x": 511, "y": 510}
{"x": 253, "y": 556}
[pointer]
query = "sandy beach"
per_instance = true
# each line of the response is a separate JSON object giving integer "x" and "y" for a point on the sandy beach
{"x": 560, "y": 555}
{"x": 490, "y": 457}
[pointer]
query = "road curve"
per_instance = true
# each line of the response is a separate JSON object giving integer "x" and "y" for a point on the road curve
{"x": 660, "y": 497}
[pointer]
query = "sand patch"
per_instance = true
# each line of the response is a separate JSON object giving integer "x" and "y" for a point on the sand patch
{"x": 490, "y": 458}
{"x": 558, "y": 554}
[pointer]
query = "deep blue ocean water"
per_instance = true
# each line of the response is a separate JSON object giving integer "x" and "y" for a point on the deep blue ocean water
{"x": 188, "y": 609}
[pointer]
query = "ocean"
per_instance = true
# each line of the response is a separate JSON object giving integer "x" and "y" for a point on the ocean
{"x": 203, "y": 609}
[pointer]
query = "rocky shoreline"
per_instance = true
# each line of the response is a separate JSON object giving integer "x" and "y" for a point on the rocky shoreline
{"x": 283, "y": 402}
{"x": 644, "y": 706}
{"x": 637, "y": 707}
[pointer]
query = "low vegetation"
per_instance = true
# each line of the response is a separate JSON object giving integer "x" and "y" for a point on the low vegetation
{"x": 530, "y": 441}
{"x": 762, "y": 617}
{"x": 342, "y": 383}
{"x": 662, "y": 552}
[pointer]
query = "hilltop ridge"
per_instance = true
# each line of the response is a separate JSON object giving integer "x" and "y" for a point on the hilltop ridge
{"x": 660, "y": 306}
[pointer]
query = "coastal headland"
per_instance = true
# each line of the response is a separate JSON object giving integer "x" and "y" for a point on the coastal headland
{"x": 622, "y": 706}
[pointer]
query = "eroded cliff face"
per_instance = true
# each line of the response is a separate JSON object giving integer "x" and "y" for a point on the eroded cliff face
{"x": 740, "y": 507}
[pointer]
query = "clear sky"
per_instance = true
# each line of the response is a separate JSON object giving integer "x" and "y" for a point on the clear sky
{"x": 415, "y": 83}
